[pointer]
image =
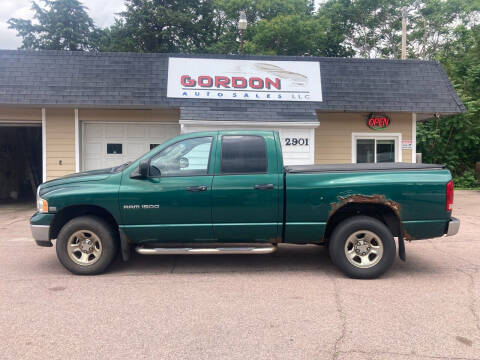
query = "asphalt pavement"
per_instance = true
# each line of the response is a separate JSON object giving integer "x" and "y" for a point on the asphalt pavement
{"x": 293, "y": 304}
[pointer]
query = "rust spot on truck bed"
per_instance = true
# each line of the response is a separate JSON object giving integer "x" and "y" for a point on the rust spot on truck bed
{"x": 365, "y": 199}
{"x": 369, "y": 199}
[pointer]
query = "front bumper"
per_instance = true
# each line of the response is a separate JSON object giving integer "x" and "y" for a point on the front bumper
{"x": 41, "y": 234}
{"x": 40, "y": 227}
{"x": 453, "y": 226}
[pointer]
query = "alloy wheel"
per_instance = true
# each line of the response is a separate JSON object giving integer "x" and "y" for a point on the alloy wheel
{"x": 364, "y": 249}
{"x": 84, "y": 247}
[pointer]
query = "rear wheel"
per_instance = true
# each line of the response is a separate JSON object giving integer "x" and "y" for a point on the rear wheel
{"x": 86, "y": 245}
{"x": 362, "y": 247}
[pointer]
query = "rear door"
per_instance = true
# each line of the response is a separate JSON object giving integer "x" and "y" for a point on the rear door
{"x": 245, "y": 188}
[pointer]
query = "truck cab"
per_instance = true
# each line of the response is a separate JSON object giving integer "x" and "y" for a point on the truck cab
{"x": 207, "y": 187}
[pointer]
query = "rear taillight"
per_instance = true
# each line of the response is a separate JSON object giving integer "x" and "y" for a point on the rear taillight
{"x": 449, "y": 196}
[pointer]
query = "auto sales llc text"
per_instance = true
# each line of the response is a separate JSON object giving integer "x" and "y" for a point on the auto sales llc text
{"x": 247, "y": 95}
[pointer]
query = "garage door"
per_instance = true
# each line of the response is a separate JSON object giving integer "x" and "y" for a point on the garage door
{"x": 110, "y": 144}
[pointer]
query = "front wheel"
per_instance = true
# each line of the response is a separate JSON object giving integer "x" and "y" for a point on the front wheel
{"x": 362, "y": 247}
{"x": 86, "y": 245}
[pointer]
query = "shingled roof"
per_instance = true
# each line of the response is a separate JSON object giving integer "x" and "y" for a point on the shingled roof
{"x": 139, "y": 80}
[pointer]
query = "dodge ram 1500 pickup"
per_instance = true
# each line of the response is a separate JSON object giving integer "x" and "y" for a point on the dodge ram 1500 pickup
{"x": 228, "y": 192}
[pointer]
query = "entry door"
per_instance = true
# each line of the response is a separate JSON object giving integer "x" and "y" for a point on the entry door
{"x": 245, "y": 191}
{"x": 110, "y": 144}
{"x": 174, "y": 202}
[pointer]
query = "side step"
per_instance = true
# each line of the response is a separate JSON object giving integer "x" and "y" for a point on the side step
{"x": 206, "y": 251}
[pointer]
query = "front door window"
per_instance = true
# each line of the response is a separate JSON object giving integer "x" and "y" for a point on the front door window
{"x": 189, "y": 157}
{"x": 375, "y": 150}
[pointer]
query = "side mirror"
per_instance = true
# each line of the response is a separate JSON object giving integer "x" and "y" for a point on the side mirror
{"x": 183, "y": 163}
{"x": 143, "y": 168}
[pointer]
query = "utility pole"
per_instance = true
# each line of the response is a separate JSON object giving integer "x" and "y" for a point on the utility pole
{"x": 404, "y": 33}
{"x": 415, "y": 5}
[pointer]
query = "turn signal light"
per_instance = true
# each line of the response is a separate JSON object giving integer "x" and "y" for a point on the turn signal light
{"x": 42, "y": 206}
{"x": 449, "y": 196}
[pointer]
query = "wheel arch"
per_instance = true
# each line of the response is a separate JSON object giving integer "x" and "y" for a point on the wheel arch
{"x": 381, "y": 211}
{"x": 70, "y": 212}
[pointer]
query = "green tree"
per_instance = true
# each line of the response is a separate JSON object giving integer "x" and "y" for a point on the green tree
{"x": 433, "y": 25}
{"x": 257, "y": 10}
{"x": 274, "y": 27}
{"x": 162, "y": 26}
{"x": 295, "y": 35}
{"x": 228, "y": 12}
{"x": 281, "y": 27}
{"x": 61, "y": 25}
{"x": 455, "y": 140}
{"x": 373, "y": 27}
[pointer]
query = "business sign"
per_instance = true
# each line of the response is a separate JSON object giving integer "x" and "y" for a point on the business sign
{"x": 378, "y": 122}
{"x": 407, "y": 144}
{"x": 244, "y": 79}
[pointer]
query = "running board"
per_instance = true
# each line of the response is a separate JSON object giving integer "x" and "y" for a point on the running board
{"x": 206, "y": 251}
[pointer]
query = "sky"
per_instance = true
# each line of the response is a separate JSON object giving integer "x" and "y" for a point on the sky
{"x": 101, "y": 11}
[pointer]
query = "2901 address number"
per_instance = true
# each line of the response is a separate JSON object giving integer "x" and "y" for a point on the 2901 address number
{"x": 296, "y": 141}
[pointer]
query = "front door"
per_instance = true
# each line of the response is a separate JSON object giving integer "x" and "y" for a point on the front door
{"x": 174, "y": 202}
{"x": 245, "y": 190}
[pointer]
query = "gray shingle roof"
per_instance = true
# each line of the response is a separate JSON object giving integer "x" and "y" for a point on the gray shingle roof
{"x": 137, "y": 80}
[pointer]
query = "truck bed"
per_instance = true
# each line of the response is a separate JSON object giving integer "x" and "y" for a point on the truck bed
{"x": 305, "y": 169}
{"x": 314, "y": 192}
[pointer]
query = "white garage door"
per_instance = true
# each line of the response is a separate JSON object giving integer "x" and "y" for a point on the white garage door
{"x": 110, "y": 144}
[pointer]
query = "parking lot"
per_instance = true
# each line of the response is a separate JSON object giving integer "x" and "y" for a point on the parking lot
{"x": 293, "y": 304}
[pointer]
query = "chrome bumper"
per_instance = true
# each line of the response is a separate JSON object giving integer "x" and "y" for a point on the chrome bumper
{"x": 453, "y": 226}
{"x": 41, "y": 235}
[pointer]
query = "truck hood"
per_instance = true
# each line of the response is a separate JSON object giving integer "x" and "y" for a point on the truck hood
{"x": 93, "y": 175}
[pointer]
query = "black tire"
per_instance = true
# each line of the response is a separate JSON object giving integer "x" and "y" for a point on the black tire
{"x": 355, "y": 225}
{"x": 103, "y": 232}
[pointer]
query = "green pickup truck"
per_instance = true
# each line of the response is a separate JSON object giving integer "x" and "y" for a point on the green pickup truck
{"x": 228, "y": 192}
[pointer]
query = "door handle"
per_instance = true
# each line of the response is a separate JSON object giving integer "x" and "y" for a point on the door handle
{"x": 196, "y": 188}
{"x": 263, "y": 187}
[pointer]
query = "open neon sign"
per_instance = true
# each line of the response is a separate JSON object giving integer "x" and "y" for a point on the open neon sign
{"x": 378, "y": 122}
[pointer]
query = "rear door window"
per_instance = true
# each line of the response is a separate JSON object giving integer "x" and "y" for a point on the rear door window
{"x": 243, "y": 154}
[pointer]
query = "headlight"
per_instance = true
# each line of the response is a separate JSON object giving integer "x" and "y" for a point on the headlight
{"x": 42, "y": 205}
